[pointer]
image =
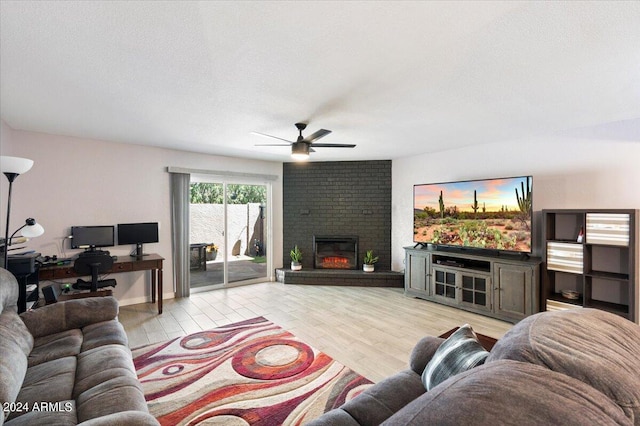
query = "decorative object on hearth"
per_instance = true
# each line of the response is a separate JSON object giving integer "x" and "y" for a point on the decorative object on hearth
{"x": 296, "y": 258}
{"x": 368, "y": 261}
{"x": 301, "y": 148}
{"x": 12, "y": 167}
{"x": 251, "y": 372}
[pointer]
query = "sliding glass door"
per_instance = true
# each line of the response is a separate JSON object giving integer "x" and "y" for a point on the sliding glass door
{"x": 228, "y": 236}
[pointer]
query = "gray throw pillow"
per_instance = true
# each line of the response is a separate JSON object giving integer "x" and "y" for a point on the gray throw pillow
{"x": 460, "y": 352}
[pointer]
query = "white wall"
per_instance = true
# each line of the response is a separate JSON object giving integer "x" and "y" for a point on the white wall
{"x": 89, "y": 182}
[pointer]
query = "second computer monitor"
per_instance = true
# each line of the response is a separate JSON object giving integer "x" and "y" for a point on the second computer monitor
{"x": 138, "y": 234}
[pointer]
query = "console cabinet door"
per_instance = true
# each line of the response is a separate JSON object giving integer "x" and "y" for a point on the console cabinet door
{"x": 417, "y": 276}
{"x": 475, "y": 290}
{"x": 445, "y": 283}
{"x": 513, "y": 296}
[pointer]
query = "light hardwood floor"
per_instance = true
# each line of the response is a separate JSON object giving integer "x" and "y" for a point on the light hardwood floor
{"x": 371, "y": 330}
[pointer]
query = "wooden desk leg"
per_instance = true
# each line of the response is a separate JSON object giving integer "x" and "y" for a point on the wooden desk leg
{"x": 159, "y": 272}
{"x": 153, "y": 285}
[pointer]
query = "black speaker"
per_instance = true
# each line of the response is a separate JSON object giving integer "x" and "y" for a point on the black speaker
{"x": 50, "y": 293}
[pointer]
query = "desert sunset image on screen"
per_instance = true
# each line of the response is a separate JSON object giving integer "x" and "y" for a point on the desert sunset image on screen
{"x": 490, "y": 214}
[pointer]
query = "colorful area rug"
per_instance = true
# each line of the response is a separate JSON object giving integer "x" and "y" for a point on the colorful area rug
{"x": 248, "y": 373}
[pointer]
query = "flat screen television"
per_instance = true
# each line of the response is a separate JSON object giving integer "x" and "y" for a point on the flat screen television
{"x": 138, "y": 234}
{"x": 492, "y": 214}
{"x": 91, "y": 237}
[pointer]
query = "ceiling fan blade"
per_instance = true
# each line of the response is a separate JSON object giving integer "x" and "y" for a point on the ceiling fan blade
{"x": 316, "y": 135}
{"x": 271, "y": 144}
{"x": 333, "y": 145}
{"x": 270, "y": 136}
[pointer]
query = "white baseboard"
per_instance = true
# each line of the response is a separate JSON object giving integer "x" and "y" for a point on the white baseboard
{"x": 143, "y": 299}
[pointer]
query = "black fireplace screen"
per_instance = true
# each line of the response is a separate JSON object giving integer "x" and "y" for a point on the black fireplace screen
{"x": 335, "y": 252}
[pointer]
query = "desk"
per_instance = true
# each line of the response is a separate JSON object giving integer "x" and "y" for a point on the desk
{"x": 151, "y": 262}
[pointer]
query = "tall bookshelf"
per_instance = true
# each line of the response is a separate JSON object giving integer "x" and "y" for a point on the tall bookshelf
{"x": 592, "y": 253}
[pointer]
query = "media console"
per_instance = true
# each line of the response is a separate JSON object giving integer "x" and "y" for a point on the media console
{"x": 504, "y": 287}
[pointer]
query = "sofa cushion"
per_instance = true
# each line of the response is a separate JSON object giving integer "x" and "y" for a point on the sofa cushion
{"x": 102, "y": 334}
{"x": 460, "y": 352}
{"x": 511, "y": 393}
{"x": 102, "y": 364}
{"x": 50, "y": 381}
{"x": 382, "y": 400}
{"x": 54, "y": 346}
{"x": 70, "y": 314}
{"x": 593, "y": 346}
{"x": 121, "y": 393}
{"x": 106, "y": 383}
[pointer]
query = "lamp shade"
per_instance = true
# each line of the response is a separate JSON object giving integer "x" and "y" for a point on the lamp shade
{"x": 32, "y": 231}
{"x": 16, "y": 165}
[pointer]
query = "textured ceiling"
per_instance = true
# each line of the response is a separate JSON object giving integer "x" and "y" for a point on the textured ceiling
{"x": 395, "y": 78}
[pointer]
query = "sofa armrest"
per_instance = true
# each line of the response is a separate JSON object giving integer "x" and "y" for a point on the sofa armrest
{"x": 124, "y": 418}
{"x": 335, "y": 417}
{"x": 70, "y": 314}
{"x": 423, "y": 352}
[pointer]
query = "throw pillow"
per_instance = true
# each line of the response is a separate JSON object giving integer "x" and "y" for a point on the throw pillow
{"x": 460, "y": 352}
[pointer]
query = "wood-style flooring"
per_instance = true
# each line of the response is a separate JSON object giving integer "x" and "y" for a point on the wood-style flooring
{"x": 371, "y": 330}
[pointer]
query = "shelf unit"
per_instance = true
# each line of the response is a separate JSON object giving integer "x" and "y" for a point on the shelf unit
{"x": 504, "y": 287}
{"x": 601, "y": 264}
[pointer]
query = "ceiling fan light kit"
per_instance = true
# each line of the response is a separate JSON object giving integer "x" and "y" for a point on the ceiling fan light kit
{"x": 301, "y": 148}
{"x": 300, "y": 151}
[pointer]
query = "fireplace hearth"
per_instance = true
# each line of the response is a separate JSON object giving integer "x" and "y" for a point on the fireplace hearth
{"x": 335, "y": 252}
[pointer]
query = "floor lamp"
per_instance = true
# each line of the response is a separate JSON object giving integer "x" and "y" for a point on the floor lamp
{"x": 12, "y": 167}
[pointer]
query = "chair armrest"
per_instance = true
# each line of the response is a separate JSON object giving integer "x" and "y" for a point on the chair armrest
{"x": 423, "y": 352}
{"x": 70, "y": 314}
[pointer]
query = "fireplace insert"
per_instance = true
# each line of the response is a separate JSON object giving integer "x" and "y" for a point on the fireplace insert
{"x": 335, "y": 252}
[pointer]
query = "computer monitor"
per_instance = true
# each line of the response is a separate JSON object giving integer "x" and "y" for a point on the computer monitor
{"x": 91, "y": 237}
{"x": 138, "y": 234}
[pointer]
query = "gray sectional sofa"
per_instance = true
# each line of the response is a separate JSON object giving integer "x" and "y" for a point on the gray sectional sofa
{"x": 66, "y": 364}
{"x": 577, "y": 367}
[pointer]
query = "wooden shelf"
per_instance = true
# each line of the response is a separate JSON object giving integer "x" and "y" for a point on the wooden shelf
{"x": 558, "y": 297}
{"x": 608, "y": 275}
{"x": 615, "y": 308}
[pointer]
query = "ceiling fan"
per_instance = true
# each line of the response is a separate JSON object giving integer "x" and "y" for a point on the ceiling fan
{"x": 301, "y": 148}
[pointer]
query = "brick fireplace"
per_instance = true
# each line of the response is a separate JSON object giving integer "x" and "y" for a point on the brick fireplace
{"x": 340, "y": 198}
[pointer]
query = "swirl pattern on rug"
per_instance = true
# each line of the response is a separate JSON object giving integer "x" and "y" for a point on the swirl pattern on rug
{"x": 248, "y": 373}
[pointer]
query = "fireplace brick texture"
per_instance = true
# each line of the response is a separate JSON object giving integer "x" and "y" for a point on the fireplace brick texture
{"x": 342, "y": 198}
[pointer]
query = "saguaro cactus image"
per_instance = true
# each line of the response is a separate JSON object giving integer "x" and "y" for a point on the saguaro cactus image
{"x": 441, "y": 202}
{"x": 474, "y": 206}
{"x": 524, "y": 202}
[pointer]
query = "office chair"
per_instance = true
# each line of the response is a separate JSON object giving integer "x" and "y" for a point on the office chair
{"x": 93, "y": 263}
